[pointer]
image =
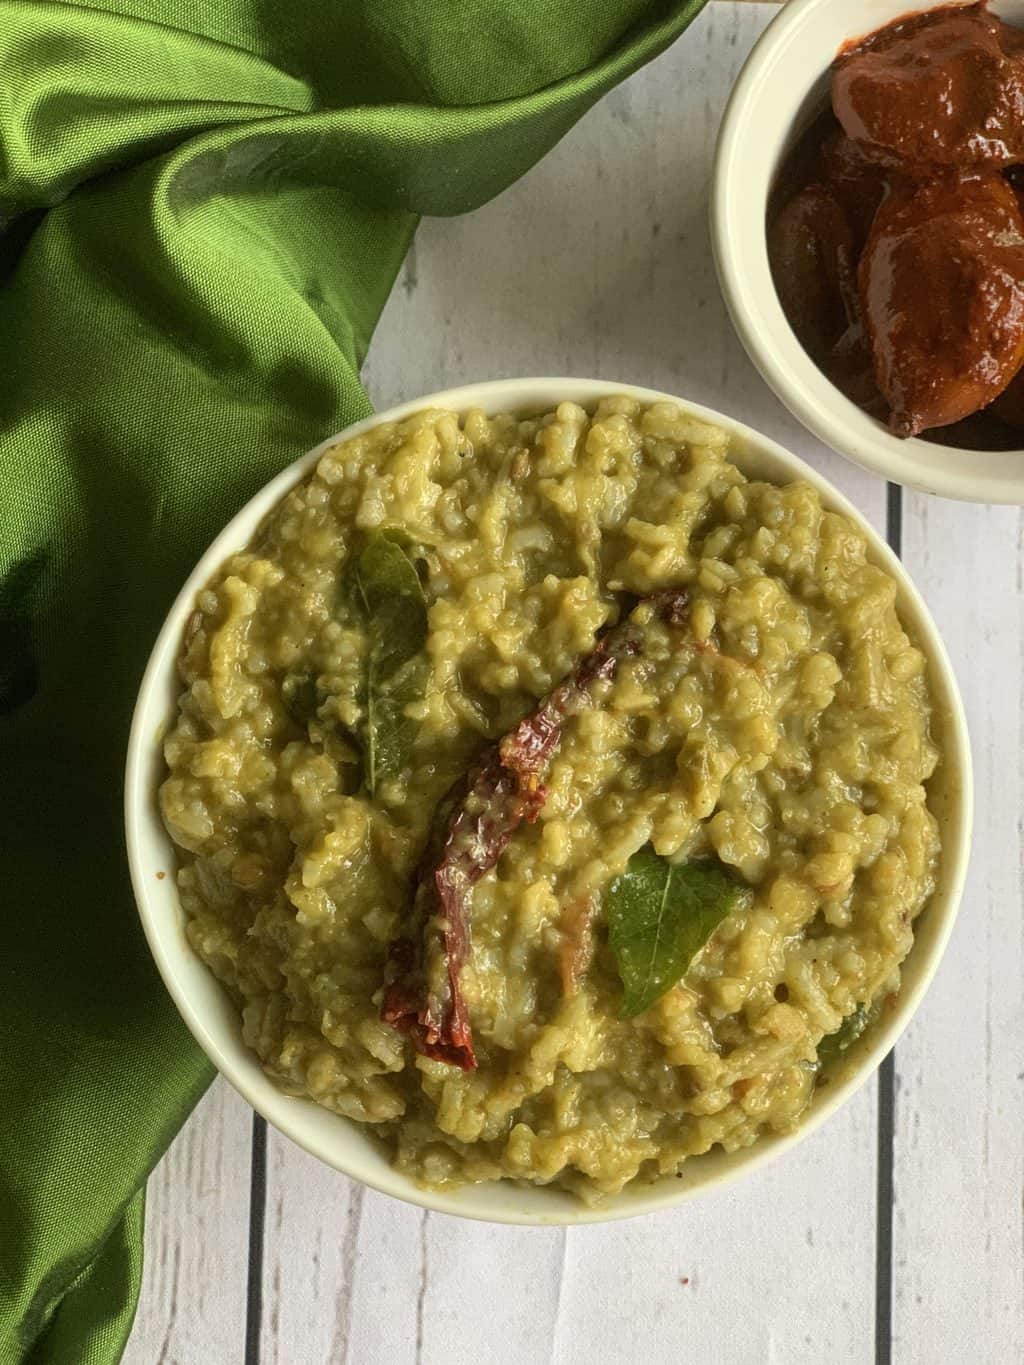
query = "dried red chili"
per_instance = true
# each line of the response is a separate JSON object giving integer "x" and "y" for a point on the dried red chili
{"x": 471, "y": 830}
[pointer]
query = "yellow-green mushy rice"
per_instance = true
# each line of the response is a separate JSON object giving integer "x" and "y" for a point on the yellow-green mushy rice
{"x": 788, "y": 734}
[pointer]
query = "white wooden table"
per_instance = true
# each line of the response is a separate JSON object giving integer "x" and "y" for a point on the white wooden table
{"x": 893, "y": 1234}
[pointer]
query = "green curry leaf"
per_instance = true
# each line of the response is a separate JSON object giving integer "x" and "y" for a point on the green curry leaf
{"x": 386, "y": 590}
{"x": 391, "y": 730}
{"x": 660, "y": 915}
{"x": 833, "y": 1045}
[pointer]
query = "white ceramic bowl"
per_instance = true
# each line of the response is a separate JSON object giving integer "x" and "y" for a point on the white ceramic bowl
{"x": 783, "y": 85}
{"x": 347, "y": 1146}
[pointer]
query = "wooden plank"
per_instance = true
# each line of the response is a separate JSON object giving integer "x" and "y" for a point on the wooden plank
{"x": 341, "y": 1276}
{"x": 597, "y": 263}
{"x": 193, "y": 1301}
{"x": 958, "y": 1228}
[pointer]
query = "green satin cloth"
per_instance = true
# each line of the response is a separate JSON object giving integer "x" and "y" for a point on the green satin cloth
{"x": 203, "y": 205}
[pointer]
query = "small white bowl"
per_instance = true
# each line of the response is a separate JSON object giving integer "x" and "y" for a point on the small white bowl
{"x": 780, "y": 90}
{"x": 348, "y": 1146}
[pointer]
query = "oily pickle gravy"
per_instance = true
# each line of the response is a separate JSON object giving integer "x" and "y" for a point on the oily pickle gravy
{"x": 895, "y": 229}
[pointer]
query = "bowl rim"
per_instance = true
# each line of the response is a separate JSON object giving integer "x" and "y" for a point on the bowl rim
{"x": 488, "y": 1202}
{"x": 751, "y": 299}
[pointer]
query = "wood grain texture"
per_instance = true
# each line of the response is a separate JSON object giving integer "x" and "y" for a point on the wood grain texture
{"x": 194, "y": 1284}
{"x": 958, "y": 1228}
{"x": 353, "y": 1277}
